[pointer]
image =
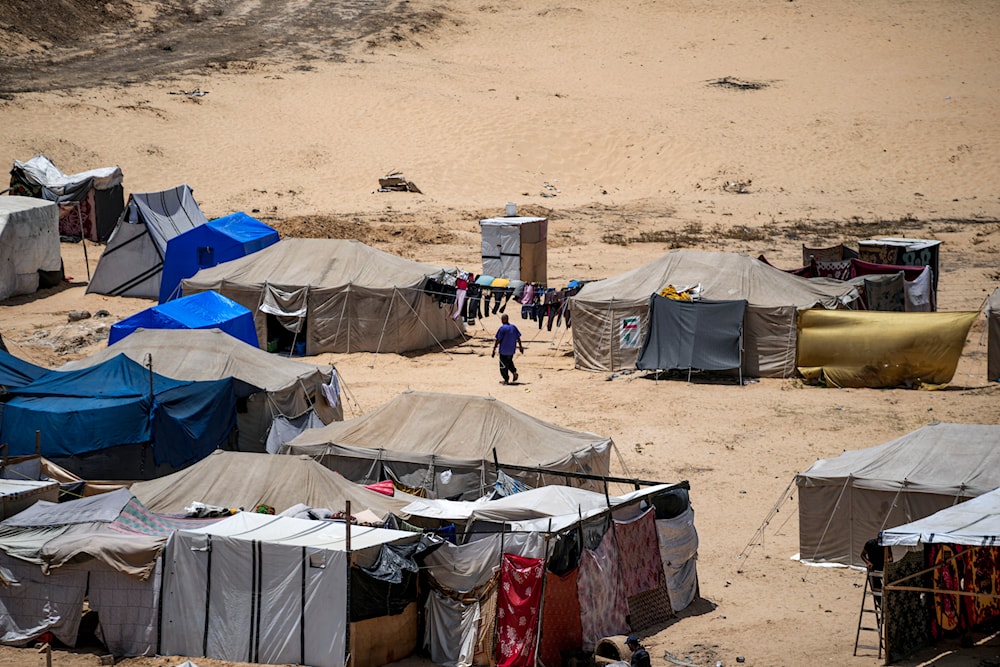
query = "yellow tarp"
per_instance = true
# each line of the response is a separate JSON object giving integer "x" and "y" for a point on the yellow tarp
{"x": 880, "y": 349}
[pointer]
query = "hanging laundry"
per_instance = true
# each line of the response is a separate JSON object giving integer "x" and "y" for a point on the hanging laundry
{"x": 603, "y": 609}
{"x": 331, "y": 390}
{"x": 518, "y": 605}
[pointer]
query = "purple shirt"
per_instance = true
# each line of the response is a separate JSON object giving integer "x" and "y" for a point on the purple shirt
{"x": 508, "y": 335}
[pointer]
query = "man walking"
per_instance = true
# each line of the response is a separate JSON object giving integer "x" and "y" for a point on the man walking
{"x": 508, "y": 339}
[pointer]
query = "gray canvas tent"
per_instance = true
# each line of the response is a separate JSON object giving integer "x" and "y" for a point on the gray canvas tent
{"x": 610, "y": 317}
{"x": 993, "y": 336}
{"x": 704, "y": 334}
{"x": 29, "y": 244}
{"x": 334, "y": 295}
{"x": 240, "y": 479}
{"x": 445, "y": 444}
{"x": 273, "y": 386}
{"x": 847, "y": 500}
{"x": 132, "y": 262}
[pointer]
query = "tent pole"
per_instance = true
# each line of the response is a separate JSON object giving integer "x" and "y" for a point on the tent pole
{"x": 83, "y": 239}
{"x": 347, "y": 596}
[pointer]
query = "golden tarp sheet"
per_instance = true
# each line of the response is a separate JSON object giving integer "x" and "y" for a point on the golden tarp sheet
{"x": 881, "y": 349}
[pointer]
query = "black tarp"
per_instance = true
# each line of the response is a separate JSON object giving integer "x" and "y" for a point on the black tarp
{"x": 703, "y": 334}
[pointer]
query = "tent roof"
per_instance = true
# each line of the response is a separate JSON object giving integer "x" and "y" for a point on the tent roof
{"x": 453, "y": 426}
{"x": 103, "y": 508}
{"x": 974, "y": 522}
{"x": 15, "y": 372}
{"x": 205, "y": 310}
{"x": 236, "y": 226}
{"x": 243, "y": 479}
{"x": 44, "y": 172}
{"x": 722, "y": 276}
{"x": 205, "y": 354}
{"x": 294, "y": 263}
{"x": 948, "y": 459}
{"x": 329, "y": 535}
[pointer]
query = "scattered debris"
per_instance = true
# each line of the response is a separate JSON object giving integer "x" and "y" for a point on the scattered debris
{"x": 670, "y": 657}
{"x": 197, "y": 92}
{"x": 395, "y": 182}
{"x": 549, "y": 190}
{"x": 737, "y": 84}
{"x": 738, "y": 187}
{"x": 77, "y": 315}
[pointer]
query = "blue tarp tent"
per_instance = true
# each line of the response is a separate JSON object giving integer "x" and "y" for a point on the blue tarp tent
{"x": 16, "y": 372}
{"x": 220, "y": 240}
{"x": 206, "y": 310}
{"x": 118, "y": 420}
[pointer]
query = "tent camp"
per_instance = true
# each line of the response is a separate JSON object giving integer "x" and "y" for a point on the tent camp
{"x": 993, "y": 336}
{"x": 15, "y": 372}
{"x": 207, "y": 310}
{"x": 847, "y": 500}
{"x": 221, "y": 240}
{"x": 333, "y": 295}
{"x": 446, "y": 444}
{"x": 271, "y": 589}
{"x": 132, "y": 262}
{"x": 29, "y": 246}
{"x": 241, "y": 479}
{"x": 90, "y": 202}
{"x": 118, "y": 420}
{"x": 611, "y": 317}
{"x": 271, "y": 386}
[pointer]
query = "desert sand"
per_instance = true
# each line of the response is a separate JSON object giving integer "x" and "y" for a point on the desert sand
{"x": 624, "y": 124}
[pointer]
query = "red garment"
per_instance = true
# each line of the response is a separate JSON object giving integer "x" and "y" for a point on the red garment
{"x": 384, "y": 487}
{"x": 518, "y": 601}
{"x": 561, "y": 628}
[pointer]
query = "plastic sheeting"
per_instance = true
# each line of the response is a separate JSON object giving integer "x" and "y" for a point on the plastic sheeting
{"x": 705, "y": 334}
{"x": 29, "y": 243}
{"x": 878, "y": 349}
{"x": 16, "y": 372}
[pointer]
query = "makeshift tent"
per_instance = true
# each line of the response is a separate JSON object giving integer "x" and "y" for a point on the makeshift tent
{"x": 610, "y": 317}
{"x": 132, "y": 262}
{"x": 271, "y": 386}
{"x": 446, "y": 444}
{"x": 19, "y": 494}
{"x": 90, "y": 202}
{"x": 269, "y": 589}
{"x": 104, "y": 549}
{"x": 514, "y": 247}
{"x": 207, "y": 310}
{"x": 611, "y": 565}
{"x": 16, "y": 372}
{"x": 29, "y": 245}
{"x": 847, "y": 500}
{"x": 993, "y": 336}
{"x": 239, "y": 479}
{"x": 335, "y": 295}
{"x": 118, "y": 420}
{"x": 217, "y": 241}
{"x": 704, "y": 334}
{"x": 880, "y": 349}
{"x": 902, "y": 252}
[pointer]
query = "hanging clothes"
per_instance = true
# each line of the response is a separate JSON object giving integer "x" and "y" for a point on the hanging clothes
{"x": 518, "y": 605}
{"x": 331, "y": 390}
{"x": 603, "y": 609}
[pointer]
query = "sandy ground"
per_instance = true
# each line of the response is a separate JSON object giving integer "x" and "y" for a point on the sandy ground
{"x": 865, "y": 119}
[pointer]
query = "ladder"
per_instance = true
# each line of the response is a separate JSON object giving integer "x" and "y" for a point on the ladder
{"x": 871, "y": 606}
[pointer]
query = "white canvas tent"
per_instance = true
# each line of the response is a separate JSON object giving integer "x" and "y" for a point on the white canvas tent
{"x": 334, "y": 295}
{"x": 611, "y": 317}
{"x": 132, "y": 262}
{"x": 273, "y": 386}
{"x": 29, "y": 244}
{"x": 445, "y": 444}
{"x": 267, "y": 589}
{"x": 847, "y": 500}
{"x": 975, "y": 522}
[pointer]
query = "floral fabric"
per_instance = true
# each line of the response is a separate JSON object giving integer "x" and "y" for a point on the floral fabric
{"x": 518, "y": 603}
{"x": 603, "y": 609}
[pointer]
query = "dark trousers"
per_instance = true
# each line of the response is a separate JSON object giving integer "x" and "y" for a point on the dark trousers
{"x": 507, "y": 366}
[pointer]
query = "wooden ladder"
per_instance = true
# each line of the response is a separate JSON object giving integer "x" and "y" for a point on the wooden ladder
{"x": 871, "y": 606}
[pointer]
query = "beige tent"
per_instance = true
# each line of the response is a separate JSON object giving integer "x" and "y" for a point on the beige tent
{"x": 611, "y": 317}
{"x": 445, "y": 444}
{"x": 847, "y": 500}
{"x": 993, "y": 336}
{"x": 335, "y": 295}
{"x": 274, "y": 386}
{"x": 243, "y": 479}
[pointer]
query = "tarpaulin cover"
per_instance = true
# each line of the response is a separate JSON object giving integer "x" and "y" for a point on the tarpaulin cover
{"x": 993, "y": 336}
{"x": 877, "y": 349}
{"x": 16, "y": 372}
{"x": 132, "y": 262}
{"x": 356, "y": 298}
{"x": 418, "y": 432}
{"x": 277, "y": 385}
{"x": 847, "y": 500}
{"x": 692, "y": 334}
{"x": 518, "y": 606}
{"x": 601, "y": 307}
{"x": 207, "y": 310}
{"x": 975, "y": 522}
{"x": 109, "y": 405}
{"x": 221, "y": 240}
{"x": 29, "y": 243}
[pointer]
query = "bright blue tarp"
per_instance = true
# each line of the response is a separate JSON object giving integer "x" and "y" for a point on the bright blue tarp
{"x": 109, "y": 405}
{"x": 16, "y": 372}
{"x": 205, "y": 310}
{"x": 220, "y": 240}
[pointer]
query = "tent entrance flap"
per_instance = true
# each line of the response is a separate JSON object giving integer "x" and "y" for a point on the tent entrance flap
{"x": 704, "y": 334}
{"x": 288, "y": 307}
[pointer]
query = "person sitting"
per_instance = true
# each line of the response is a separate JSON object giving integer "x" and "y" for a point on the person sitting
{"x": 640, "y": 656}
